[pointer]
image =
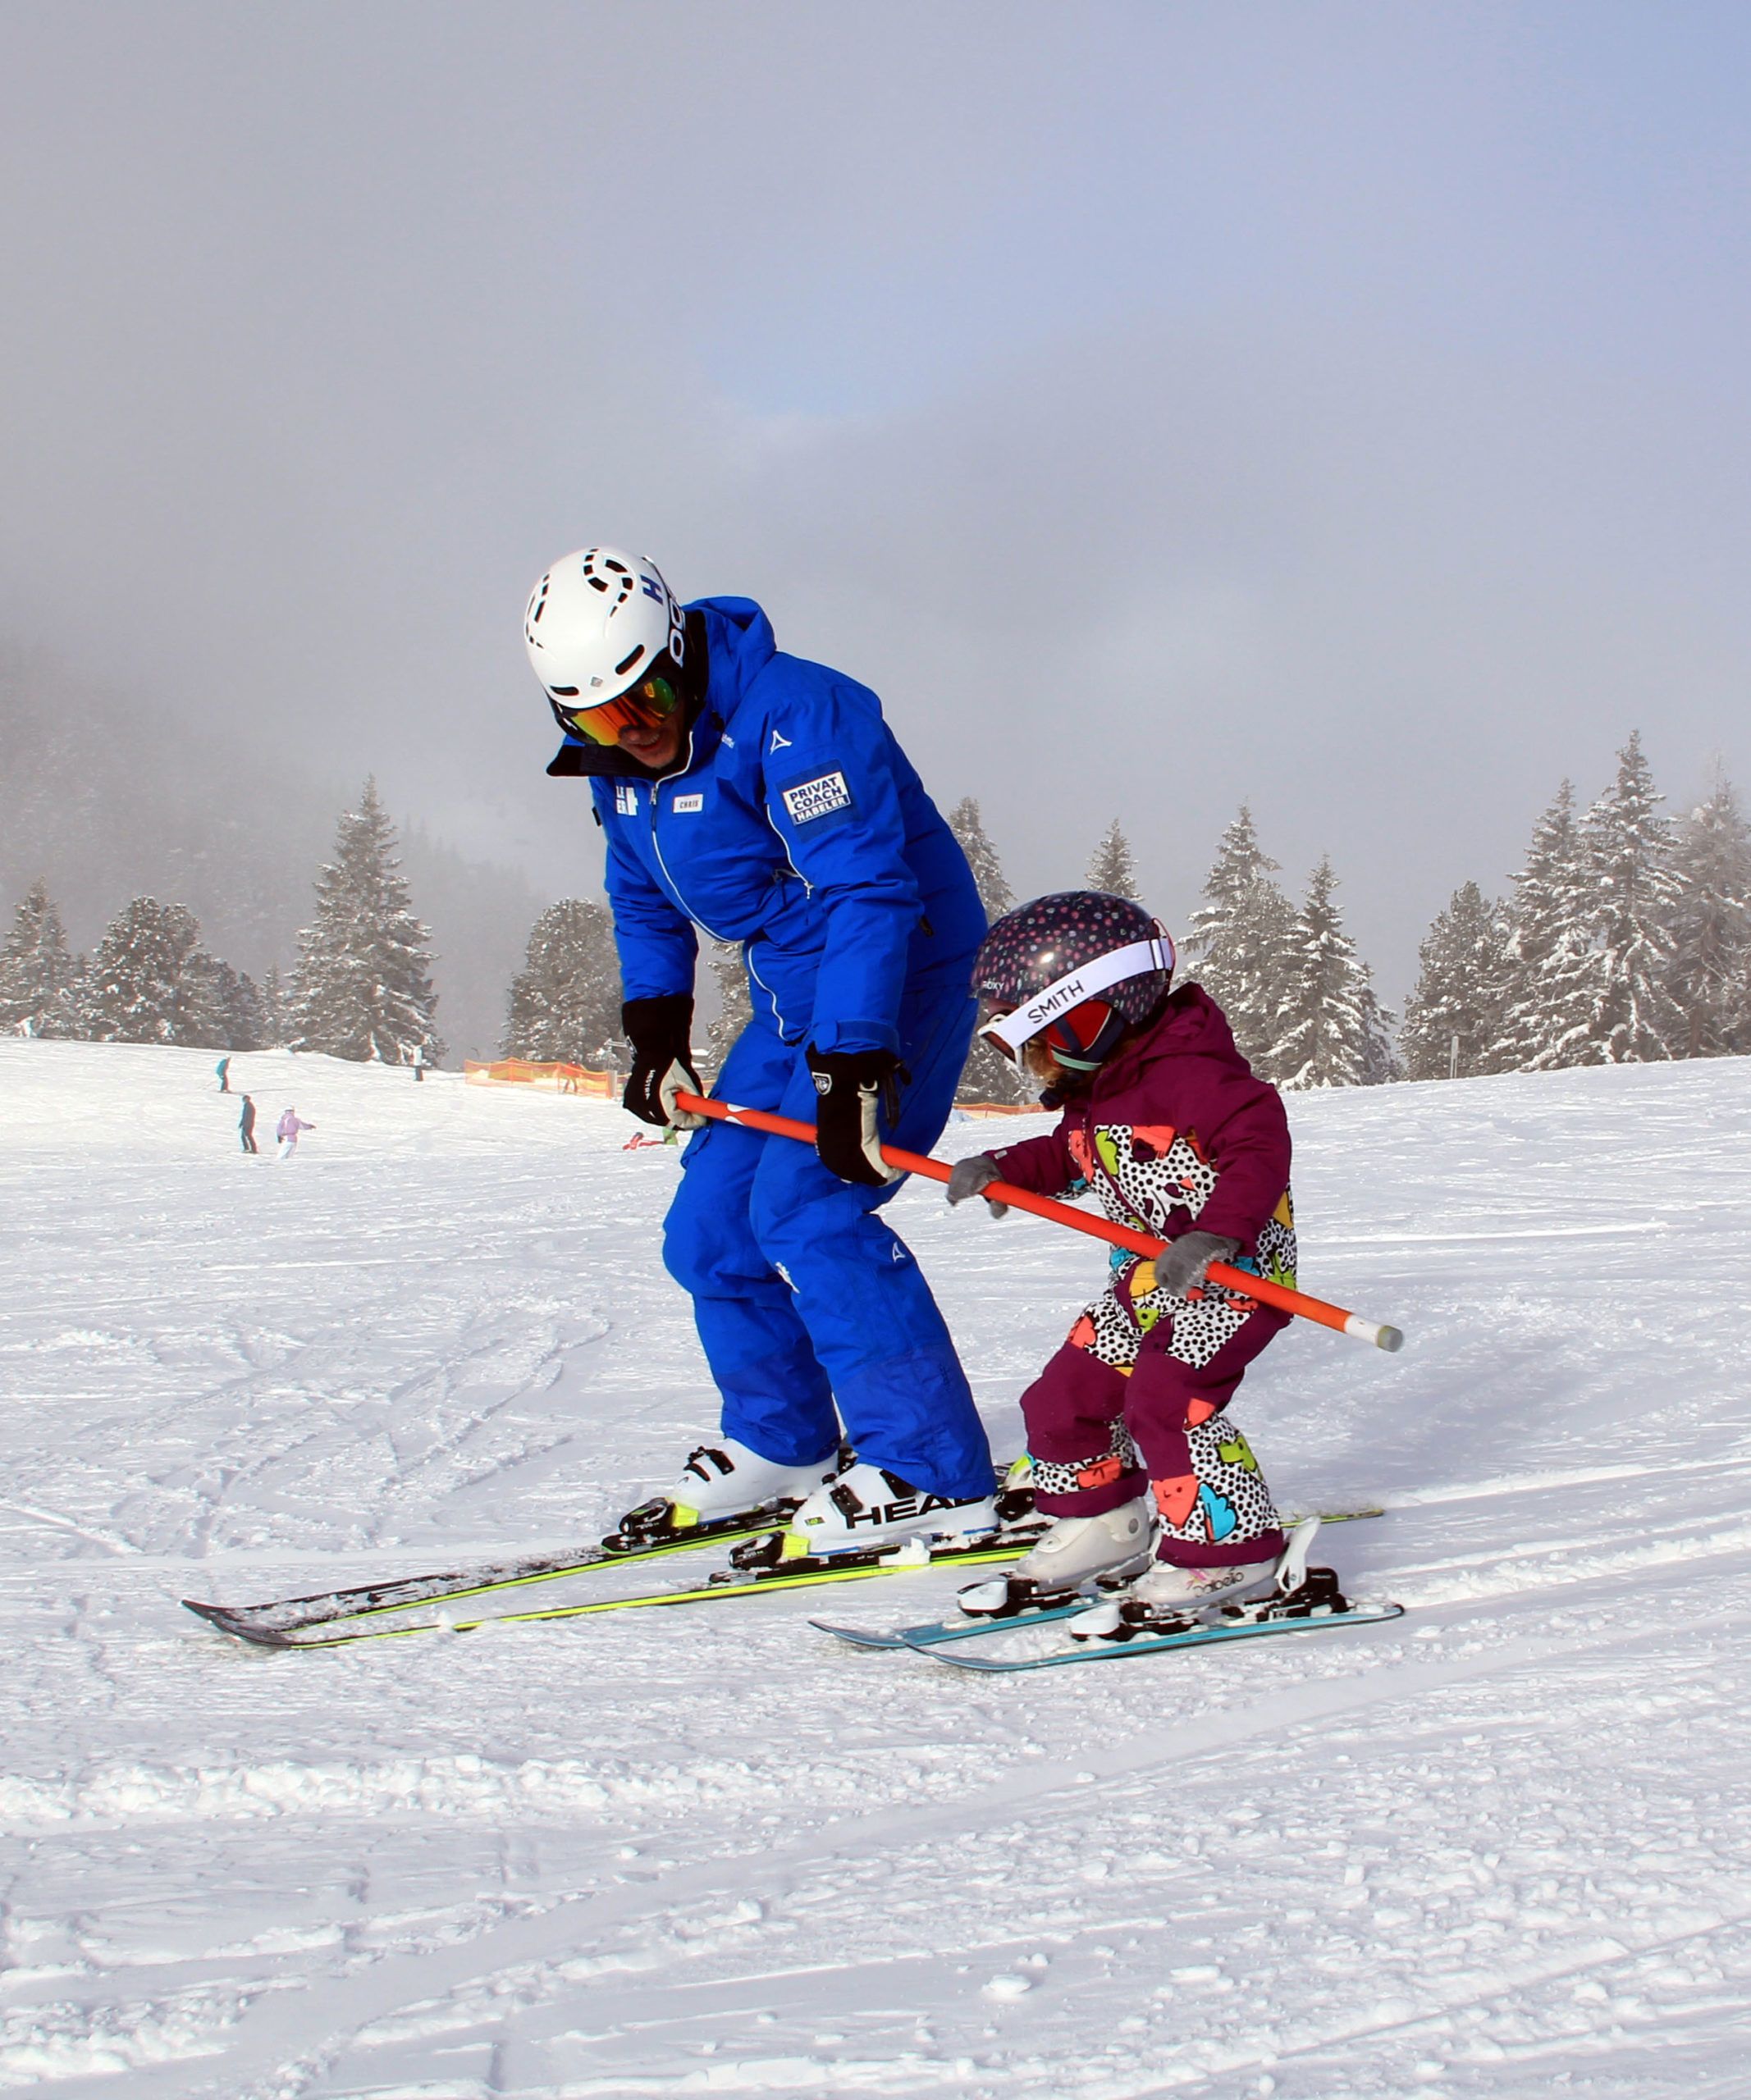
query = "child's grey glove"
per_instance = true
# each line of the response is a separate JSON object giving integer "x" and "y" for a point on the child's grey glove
{"x": 1186, "y": 1261}
{"x": 970, "y": 1176}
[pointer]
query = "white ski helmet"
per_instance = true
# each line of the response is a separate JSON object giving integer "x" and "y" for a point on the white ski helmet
{"x": 595, "y": 624}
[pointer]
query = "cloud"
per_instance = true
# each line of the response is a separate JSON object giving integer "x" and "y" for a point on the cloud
{"x": 1339, "y": 408}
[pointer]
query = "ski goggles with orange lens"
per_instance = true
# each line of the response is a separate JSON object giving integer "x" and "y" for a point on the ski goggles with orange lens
{"x": 641, "y": 706}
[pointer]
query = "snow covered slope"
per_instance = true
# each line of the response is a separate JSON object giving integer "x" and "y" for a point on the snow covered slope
{"x": 1498, "y": 1848}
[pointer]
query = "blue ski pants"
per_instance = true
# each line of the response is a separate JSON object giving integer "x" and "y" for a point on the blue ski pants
{"x": 803, "y": 1297}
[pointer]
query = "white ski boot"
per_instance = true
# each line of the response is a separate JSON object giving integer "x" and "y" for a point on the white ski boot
{"x": 868, "y": 1506}
{"x": 1077, "y": 1550}
{"x": 724, "y": 1486}
{"x": 1167, "y": 1592}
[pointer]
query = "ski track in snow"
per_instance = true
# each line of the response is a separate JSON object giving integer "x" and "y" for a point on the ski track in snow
{"x": 1498, "y": 1848}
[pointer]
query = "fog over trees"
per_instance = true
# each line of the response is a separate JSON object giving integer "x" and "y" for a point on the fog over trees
{"x": 104, "y": 801}
{"x": 158, "y": 883}
{"x": 1626, "y": 939}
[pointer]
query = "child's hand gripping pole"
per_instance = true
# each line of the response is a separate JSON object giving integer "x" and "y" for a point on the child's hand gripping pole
{"x": 1097, "y": 1228}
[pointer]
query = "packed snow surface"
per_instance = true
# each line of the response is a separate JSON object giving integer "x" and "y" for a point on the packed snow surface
{"x": 1498, "y": 1847}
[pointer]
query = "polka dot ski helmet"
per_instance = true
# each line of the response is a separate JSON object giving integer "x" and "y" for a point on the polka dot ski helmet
{"x": 1078, "y": 967}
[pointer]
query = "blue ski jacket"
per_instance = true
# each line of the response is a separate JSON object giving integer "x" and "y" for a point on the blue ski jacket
{"x": 793, "y": 824}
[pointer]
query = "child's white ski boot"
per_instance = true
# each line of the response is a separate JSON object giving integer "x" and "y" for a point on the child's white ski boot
{"x": 724, "y": 1486}
{"x": 1173, "y": 1595}
{"x": 1072, "y": 1555}
{"x": 868, "y": 1506}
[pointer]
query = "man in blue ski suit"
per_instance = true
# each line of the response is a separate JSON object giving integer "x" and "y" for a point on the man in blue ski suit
{"x": 762, "y": 798}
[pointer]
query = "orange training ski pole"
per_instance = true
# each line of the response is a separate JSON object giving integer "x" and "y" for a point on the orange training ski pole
{"x": 1097, "y": 1228}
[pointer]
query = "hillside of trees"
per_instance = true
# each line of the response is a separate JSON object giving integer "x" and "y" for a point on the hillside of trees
{"x": 102, "y": 803}
{"x": 1624, "y": 937}
{"x": 361, "y": 987}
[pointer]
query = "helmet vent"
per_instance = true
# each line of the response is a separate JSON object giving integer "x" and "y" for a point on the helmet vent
{"x": 626, "y": 663}
{"x": 598, "y": 567}
{"x": 563, "y": 692}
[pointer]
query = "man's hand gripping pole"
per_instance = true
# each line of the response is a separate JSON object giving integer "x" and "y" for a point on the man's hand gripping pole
{"x": 1267, "y": 1293}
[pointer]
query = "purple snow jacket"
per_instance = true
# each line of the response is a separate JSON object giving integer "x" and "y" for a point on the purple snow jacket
{"x": 1176, "y": 1130}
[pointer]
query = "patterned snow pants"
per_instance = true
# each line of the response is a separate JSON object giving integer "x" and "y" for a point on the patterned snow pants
{"x": 1099, "y": 1436}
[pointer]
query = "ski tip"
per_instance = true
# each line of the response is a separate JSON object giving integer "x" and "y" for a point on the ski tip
{"x": 223, "y": 1621}
{"x": 856, "y": 1636}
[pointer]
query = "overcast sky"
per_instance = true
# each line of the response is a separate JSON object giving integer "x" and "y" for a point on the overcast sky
{"x": 1338, "y": 406}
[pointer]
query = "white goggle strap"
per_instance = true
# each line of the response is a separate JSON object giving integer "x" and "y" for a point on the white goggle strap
{"x": 1094, "y": 978}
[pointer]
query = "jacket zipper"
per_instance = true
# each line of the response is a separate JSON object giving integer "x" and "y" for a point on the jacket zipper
{"x": 675, "y": 887}
{"x": 663, "y": 781}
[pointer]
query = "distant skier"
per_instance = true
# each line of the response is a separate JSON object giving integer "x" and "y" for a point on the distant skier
{"x": 763, "y": 798}
{"x": 246, "y": 1125}
{"x": 223, "y": 1068}
{"x": 419, "y": 1067}
{"x": 1133, "y": 1453}
{"x": 286, "y": 1131}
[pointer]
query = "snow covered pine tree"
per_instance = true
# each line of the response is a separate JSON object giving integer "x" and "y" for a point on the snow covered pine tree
{"x": 1332, "y": 1028}
{"x": 1112, "y": 867}
{"x": 965, "y": 822}
{"x": 564, "y": 1005}
{"x": 363, "y": 989}
{"x": 39, "y": 980}
{"x": 735, "y": 1009}
{"x": 224, "y": 1007}
{"x": 1711, "y": 978}
{"x": 1612, "y": 976}
{"x": 273, "y": 1012}
{"x": 150, "y": 981}
{"x": 1238, "y": 943}
{"x": 1460, "y": 991}
{"x": 987, "y": 1075}
{"x": 1547, "y": 926}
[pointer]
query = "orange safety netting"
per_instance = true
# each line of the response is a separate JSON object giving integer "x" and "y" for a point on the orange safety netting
{"x": 560, "y": 1079}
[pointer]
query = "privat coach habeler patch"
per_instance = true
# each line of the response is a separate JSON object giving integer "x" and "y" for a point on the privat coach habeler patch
{"x": 820, "y": 796}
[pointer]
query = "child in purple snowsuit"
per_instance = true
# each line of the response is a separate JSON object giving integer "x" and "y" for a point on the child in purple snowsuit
{"x": 286, "y": 1131}
{"x": 1166, "y": 1121}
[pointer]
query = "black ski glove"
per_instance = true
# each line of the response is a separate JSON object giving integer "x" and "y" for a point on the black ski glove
{"x": 1184, "y": 1265}
{"x": 970, "y": 1176}
{"x": 658, "y": 1031}
{"x": 852, "y": 1086}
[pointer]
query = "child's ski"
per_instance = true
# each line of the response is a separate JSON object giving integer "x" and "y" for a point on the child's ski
{"x": 1237, "y": 1622}
{"x": 934, "y": 1633}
